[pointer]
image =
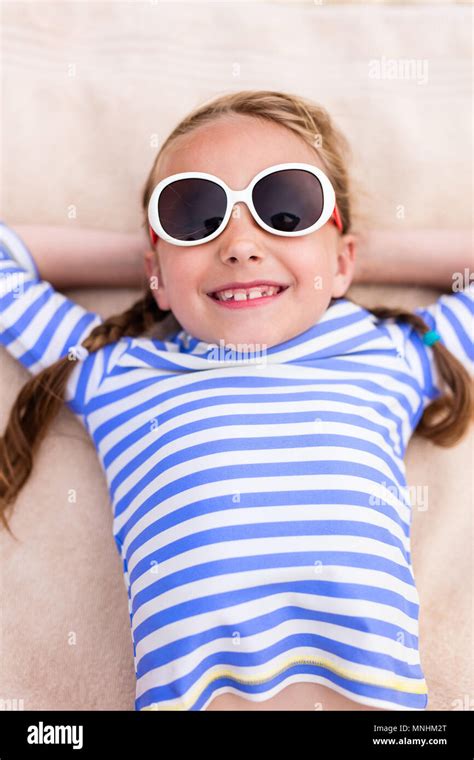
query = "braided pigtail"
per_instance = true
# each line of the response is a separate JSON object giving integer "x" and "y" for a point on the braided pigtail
{"x": 446, "y": 420}
{"x": 43, "y": 394}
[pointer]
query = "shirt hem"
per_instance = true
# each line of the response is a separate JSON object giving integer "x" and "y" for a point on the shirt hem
{"x": 320, "y": 679}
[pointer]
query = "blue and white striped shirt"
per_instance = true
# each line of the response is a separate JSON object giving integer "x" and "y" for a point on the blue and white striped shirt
{"x": 260, "y": 503}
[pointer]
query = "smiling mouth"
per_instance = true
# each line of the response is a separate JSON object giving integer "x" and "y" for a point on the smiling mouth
{"x": 247, "y": 301}
{"x": 253, "y": 296}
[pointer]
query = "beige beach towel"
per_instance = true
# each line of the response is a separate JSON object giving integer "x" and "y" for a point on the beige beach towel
{"x": 90, "y": 91}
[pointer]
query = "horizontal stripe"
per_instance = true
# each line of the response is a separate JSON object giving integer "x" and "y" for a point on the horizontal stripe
{"x": 204, "y": 487}
{"x": 267, "y": 460}
{"x": 214, "y": 440}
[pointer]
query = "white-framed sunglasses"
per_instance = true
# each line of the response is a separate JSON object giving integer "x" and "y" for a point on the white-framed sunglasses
{"x": 191, "y": 208}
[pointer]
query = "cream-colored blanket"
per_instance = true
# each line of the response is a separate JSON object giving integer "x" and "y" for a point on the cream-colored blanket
{"x": 90, "y": 90}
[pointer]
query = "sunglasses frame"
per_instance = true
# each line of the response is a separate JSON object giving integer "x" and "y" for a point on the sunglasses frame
{"x": 244, "y": 196}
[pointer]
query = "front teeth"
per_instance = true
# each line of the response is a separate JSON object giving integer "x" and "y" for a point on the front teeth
{"x": 243, "y": 295}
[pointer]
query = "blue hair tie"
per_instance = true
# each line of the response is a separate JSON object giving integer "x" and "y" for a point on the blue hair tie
{"x": 431, "y": 337}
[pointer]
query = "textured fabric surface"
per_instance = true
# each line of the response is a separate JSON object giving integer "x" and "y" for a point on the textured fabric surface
{"x": 103, "y": 89}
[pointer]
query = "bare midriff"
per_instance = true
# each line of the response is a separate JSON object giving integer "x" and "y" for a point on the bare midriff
{"x": 295, "y": 696}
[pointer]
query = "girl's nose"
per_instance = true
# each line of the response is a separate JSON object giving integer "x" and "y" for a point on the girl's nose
{"x": 240, "y": 239}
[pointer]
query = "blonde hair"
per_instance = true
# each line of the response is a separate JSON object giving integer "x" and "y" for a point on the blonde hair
{"x": 444, "y": 421}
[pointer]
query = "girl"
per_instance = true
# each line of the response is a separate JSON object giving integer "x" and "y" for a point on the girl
{"x": 254, "y": 451}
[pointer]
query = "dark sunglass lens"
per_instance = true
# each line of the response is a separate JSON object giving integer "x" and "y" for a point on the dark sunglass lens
{"x": 289, "y": 200}
{"x": 191, "y": 209}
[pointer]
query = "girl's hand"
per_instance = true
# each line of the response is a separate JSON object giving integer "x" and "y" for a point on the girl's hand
{"x": 69, "y": 256}
{"x": 429, "y": 257}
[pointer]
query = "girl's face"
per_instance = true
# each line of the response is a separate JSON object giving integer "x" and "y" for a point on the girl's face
{"x": 315, "y": 267}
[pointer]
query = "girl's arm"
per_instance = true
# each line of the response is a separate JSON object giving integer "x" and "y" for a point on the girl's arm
{"x": 39, "y": 325}
{"x": 70, "y": 256}
{"x": 429, "y": 257}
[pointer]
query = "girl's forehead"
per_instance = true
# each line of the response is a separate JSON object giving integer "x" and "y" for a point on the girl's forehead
{"x": 236, "y": 148}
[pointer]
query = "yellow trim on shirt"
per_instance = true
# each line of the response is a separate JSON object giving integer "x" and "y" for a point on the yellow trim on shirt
{"x": 396, "y": 684}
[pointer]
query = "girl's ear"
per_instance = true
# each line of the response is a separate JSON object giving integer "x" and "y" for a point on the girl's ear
{"x": 346, "y": 258}
{"x": 153, "y": 235}
{"x": 152, "y": 268}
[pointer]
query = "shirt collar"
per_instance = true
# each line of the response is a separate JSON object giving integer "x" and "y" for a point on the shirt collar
{"x": 344, "y": 328}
